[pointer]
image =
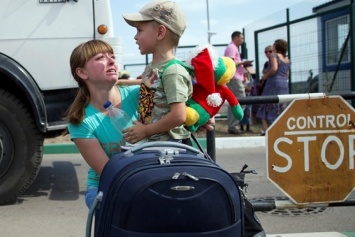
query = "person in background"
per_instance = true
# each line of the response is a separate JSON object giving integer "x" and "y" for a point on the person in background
{"x": 124, "y": 74}
{"x": 268, "y": 50}
{"x": 125, "y": 79}
{"x": 93, "y": 67}
{"x": 248, "y": 82}
{"x": 236, "y": 83}
{"x": 276, "y": 83}
{"x": 162, "y": 114}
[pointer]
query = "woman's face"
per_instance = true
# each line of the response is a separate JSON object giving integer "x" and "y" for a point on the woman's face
{"x": 101, "y": 67}
{"x": 268, "y": 51}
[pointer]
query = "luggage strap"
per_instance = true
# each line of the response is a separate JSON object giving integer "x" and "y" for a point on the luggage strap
{"x": 207, "y": 156}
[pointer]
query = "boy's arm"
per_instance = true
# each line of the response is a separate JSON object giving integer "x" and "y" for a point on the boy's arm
{"x": 174, "y": 118}
{"x": 128, "y": 82}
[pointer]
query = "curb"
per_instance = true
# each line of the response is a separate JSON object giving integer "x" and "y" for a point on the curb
{"x": 315, "y": 234}
{"x": 221, "y": 143}
{"x": 239, "y": 142}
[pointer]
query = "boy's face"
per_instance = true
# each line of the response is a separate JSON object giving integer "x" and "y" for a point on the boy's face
{"x": 146, "y": 36}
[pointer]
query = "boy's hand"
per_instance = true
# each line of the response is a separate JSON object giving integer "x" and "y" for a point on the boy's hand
{"x": 210, "y": 125}
{"x": 135, "y": 133}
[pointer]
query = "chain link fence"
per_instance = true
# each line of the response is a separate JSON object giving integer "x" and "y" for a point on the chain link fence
{"x": 320, "y": 46}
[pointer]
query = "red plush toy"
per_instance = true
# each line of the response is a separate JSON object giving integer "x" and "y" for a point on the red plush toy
{"x": 212, "y": 73}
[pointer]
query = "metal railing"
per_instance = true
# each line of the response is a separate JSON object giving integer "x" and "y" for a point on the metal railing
{"x": 249, "y": 100}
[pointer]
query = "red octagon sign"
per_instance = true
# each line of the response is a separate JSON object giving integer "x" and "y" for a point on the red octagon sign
{"x": 311, "y": 150}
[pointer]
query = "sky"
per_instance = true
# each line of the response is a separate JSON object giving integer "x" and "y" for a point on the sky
{"x": 224, "y": 17}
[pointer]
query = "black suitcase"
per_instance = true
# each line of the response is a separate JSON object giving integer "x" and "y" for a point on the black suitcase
{"x": 166, "y": 189}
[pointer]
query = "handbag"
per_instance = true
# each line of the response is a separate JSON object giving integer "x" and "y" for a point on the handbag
{"x": 260, "y": 87}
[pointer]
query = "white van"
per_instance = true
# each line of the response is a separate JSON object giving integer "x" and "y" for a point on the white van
{"x": 36, "y": 86}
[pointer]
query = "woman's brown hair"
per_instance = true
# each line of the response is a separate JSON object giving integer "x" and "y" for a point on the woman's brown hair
{"x": 281, "y": 47}
{"x": 78, "y": 59}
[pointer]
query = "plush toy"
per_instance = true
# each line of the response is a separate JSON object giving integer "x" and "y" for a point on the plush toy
{"x": 211, "y": 74}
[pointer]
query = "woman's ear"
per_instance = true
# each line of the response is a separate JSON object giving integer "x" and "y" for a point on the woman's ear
{"x": 81, "y": 73}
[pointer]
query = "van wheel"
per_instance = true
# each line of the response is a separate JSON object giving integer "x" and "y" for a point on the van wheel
{"x": 21, "y": 146}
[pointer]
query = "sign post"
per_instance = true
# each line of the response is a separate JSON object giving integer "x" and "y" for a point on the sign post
{"x": 311, "y": 150}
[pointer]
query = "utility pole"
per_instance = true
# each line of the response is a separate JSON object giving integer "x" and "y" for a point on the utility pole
{"x": 209, "y": 33}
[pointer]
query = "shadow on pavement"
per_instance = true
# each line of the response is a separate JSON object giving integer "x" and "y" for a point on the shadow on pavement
{"x": 58, "y": 182}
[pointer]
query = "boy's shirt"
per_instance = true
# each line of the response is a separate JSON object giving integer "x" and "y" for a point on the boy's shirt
{"x": 156, "y": 93}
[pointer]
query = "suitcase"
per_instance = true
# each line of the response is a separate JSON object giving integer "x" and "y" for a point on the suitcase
{"x": 166, "y": 189}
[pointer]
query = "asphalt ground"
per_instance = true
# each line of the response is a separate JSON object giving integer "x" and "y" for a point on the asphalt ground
{"x": 54, "y": 205}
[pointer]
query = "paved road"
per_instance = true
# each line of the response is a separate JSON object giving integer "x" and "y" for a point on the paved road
{"x": 54, "y": 205}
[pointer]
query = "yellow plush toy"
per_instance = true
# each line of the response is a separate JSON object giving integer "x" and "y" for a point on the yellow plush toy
{"x": 211, "y": 73}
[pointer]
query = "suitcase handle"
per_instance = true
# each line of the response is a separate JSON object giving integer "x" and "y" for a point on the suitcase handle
{"x": 92, "y": 209}
{"x": 159, "y": 144}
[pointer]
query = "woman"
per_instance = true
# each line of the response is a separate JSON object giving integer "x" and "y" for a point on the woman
{"x": 256, "y": 90}
{"x": 276, "y": 77}
{"x": 93, "y": 67}
{"x": 268, "y": 51}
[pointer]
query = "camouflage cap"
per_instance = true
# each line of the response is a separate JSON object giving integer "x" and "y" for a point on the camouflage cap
{"x": 165, "y": 12}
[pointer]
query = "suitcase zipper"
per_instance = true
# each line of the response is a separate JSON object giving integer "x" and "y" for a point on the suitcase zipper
{"x": 177, "y": 175}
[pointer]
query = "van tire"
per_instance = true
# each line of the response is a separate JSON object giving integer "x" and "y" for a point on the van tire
{"x": 21, "y": 148}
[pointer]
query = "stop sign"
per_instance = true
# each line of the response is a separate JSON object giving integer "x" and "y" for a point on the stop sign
{"x": 311, "y": 150}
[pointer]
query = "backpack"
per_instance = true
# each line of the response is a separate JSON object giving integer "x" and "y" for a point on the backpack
{"x": 189, "y": 69}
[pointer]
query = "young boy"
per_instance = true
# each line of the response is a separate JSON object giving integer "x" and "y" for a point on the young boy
{"x": 160, "y": 24}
